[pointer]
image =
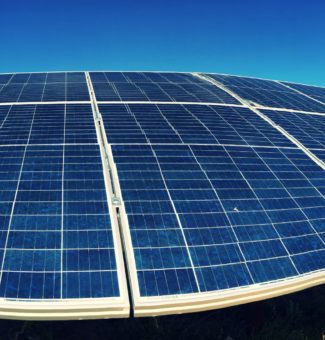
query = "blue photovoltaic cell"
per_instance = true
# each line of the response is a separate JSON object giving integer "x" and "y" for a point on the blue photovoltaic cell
{"x": 44, "y": 87}
{"x": 135, "y": 123}
{"x": 308, "y": 129}
{"x": 268, "y": 93}
{"x": 315, "y": 92}
{"x": 146, "y": 86}
{"x": 56, "y": 238}
{"x": 212, "y": 217}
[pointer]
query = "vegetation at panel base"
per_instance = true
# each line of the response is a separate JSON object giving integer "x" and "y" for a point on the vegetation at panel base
{"x": 299, "y": 316}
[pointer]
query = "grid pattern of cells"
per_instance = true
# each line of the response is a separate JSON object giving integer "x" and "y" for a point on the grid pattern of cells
{"x": 204, "y": 218}
{"x": 43, "y": 87}
{"x": 261, "y": 92}
{"x": 308, "y": 129}
{"x": 56, "y": 236}
{"x": 165, "y": 87}
{"x": 315, "y": 92}
{"x": 199, "y": 124}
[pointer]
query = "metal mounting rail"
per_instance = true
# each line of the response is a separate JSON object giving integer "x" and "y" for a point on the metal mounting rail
{"x": 264, "y": 117}
{"x": 103, "y": 140}
{"x": 117, "y": 209}
{"x": 112, "y": 197}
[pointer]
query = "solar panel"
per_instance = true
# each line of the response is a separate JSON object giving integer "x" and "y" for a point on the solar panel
{"x": 156, "y": 190}
{"x": 268, "y": 93}
{"x": 166, "y": 87}
{"x": 205, "y": 218}
{"x": 56, "y": 231}
{"x": 128, "y": 123}
{"x": 44, "y": 87}
{"x": 40, "y": 210}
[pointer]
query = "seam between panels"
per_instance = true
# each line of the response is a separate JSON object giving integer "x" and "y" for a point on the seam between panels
{"x": 281, "y": 109}
{"x": 113, "y": 202}
{"x": 264, "y": 117}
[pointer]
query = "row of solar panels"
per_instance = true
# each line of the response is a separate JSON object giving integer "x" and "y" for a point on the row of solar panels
{"x": 164, "y": 87}
{"x": 214, "y": 199}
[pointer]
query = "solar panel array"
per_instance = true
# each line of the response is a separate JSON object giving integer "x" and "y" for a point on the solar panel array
{"x": 214, "y": 198}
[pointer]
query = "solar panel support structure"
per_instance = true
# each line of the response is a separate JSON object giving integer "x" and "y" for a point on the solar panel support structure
{"x": 123, "y": 305}
{"x": 114, "y": 192}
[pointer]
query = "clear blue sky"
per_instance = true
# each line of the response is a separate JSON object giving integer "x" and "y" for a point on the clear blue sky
{"x": 278, "y": 39}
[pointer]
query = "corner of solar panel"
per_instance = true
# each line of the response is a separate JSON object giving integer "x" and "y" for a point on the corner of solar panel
{"x": 218, "y": 180}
